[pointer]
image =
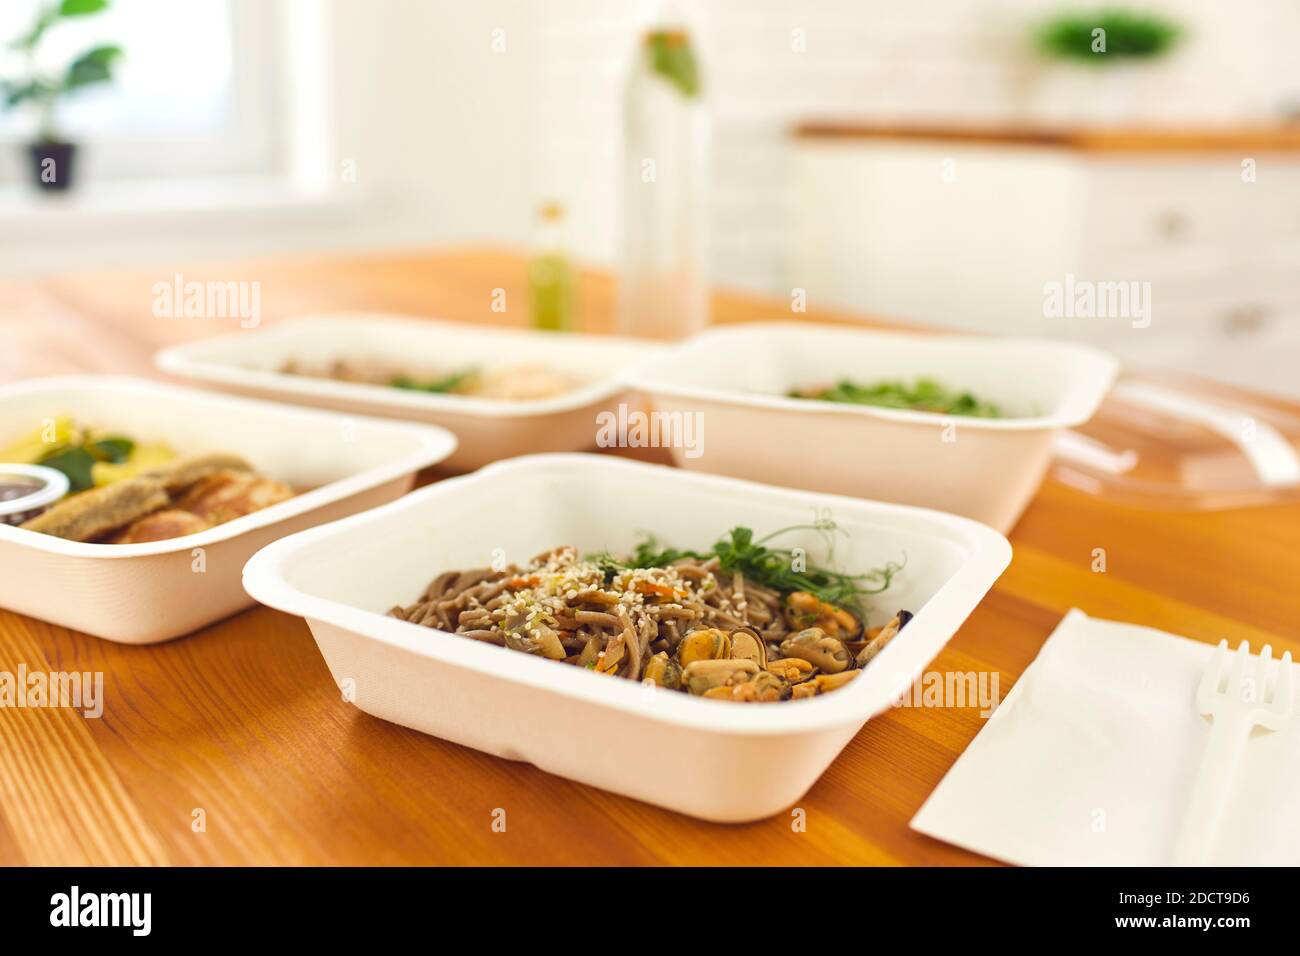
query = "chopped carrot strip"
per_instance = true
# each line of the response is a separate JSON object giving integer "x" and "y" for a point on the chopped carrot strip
{"x": 662, "y": 590}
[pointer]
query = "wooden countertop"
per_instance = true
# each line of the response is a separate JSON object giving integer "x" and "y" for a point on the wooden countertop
{"x": 1242, "y": 140}
{"x": 243, "y": 721}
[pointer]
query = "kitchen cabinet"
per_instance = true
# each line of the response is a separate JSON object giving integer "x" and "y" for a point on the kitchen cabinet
{"x": 965, "y": 229}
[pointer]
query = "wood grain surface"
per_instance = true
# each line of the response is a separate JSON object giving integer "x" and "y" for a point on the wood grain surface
{"x": 240, "y": 725}
{"x": 1129, "y": 140}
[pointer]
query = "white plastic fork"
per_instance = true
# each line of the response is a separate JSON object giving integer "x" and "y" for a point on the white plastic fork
{"x": 1237, "y": 704}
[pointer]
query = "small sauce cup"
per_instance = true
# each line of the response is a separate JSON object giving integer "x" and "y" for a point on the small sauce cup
{"x": 27, "y": 490}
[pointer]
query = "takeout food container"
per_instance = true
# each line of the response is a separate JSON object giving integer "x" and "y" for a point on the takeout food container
{"x": 248, "y": 363}
{"x": 712, "y": 759}
{"x": 144, "y": 593}
{"x": 736, "y": 379}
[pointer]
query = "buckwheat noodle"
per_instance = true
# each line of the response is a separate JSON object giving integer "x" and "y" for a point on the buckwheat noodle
{"x": 564, "y": 608}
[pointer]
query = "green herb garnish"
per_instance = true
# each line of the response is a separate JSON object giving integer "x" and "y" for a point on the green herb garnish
{"x": 671, "y": 57}
{"x": 448, "y": 383}
{"x": 77, "y": 461}
{"x": 115, "y": 450}
{"x": 926, "y": 395}
{"x": 777, "y": 568}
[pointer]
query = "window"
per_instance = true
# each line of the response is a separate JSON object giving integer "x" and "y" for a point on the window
{"x": 194, "y": 93}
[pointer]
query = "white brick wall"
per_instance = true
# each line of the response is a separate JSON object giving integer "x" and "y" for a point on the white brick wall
{"x": 886, "y": 60}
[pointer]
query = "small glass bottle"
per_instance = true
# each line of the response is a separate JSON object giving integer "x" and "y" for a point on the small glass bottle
{"x": 663, "y": 290}
{"x": 550, "y": 275}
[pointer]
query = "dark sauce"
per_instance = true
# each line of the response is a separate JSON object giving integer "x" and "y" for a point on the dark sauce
{"x": 13, "y": 487}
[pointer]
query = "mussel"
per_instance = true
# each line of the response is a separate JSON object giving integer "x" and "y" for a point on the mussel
{"x": 792, "y": 670}
{"x": 664, "y": 671}
{"x": 702, "y": 676}
{"x": 763, "y": 687}
{"x": 822, "y": 684}
{"x": 748, "y": 646}
{"x": 706, "y": 644}
{"x": 876, "y": 641}
{"x": 804, "y": 610}
{"x": 815, "y": 646}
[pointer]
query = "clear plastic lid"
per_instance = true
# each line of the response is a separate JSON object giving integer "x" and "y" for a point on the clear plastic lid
{"x": 1173, "y": 441}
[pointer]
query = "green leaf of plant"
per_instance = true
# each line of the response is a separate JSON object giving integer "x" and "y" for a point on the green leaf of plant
{"x": 18, "y": 93}
{"x": 93, "y": 66}
{"x": 75, "y": 463}
{"x": 81, "y": 8}
{"x": 116, "y": 450}
{"x": 44, "y": 20}
{"x": 1069, "y": 36}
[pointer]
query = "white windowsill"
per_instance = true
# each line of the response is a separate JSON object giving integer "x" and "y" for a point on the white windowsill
{"x": 146, "y": 206}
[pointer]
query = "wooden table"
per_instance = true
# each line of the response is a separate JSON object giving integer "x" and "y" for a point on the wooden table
{"x": 243, "y": 722}
{"x": 1112, "y": 140}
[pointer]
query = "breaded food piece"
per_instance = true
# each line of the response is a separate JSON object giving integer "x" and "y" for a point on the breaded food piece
{"x": 228, "y": 494}
{"x": 94, "y": 513}
{"x": 183, "y": 472}
{"x": 182, "y": 497}
{"x": 159, "y": 526}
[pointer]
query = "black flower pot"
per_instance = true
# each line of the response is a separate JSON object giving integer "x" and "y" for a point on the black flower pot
{"x": 52, "y": 164}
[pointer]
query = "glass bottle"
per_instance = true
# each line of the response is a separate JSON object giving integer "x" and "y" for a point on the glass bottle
{"x": 663, "y": 292}
{"x": 550, "y": 275}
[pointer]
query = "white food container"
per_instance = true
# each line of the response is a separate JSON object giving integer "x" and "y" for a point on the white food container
{"x": 248, "y": 363}
{"x": 711, "y": 759}
{"x": 150, "y": 592}
{"x": 737, "y": 378}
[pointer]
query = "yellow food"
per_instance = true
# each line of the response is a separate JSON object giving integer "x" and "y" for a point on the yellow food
{"x": 63, "y": 432}
{"x": 35, "y": 445}
{"x": 143, "y": 458}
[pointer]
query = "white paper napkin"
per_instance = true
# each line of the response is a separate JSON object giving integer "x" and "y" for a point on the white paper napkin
{"x": 1091, "y": 757}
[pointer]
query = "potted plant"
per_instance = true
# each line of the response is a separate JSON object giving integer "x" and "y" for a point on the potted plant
{"x": 1098, "y": 61}
{"x": 41, "y": 90}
